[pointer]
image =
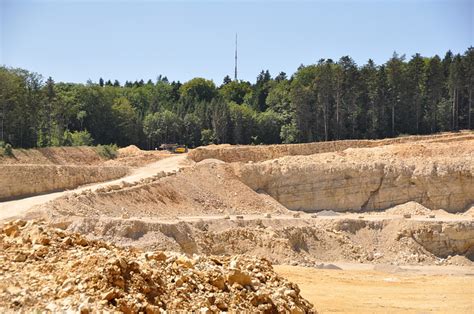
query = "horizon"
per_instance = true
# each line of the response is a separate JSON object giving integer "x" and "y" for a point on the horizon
{"x": 89, "y": 40}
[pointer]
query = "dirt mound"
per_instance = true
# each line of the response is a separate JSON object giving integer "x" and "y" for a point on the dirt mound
{"x": 412, "y": 208}
{"x": 129, "y": 150}
{"x": 207, "y": 189}
{"x": 210, "y": 161}
{"x": 458, "y": 260}
{"x": 132, "y": 156}
{"x": 46, "y": 269}
{"x": 469, "y": 212}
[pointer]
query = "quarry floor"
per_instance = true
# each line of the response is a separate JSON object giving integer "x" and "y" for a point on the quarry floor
{"x": 361, "y": 289}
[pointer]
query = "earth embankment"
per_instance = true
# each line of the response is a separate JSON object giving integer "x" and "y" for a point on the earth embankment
{"x": 24, "y": 180}
{"x": 246, "y": 153}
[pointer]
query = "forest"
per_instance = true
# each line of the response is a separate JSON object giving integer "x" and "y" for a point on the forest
{"x": 325, "y": 101}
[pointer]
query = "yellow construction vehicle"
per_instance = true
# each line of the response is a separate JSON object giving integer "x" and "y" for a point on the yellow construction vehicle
{"x": 180, "y": 149}
{"x": 174, "y": 148}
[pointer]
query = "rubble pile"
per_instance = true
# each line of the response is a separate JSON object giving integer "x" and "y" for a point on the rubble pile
{"x": 44, "y": 268}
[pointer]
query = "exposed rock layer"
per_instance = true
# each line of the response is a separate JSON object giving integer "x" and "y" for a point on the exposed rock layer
{"x": 246, "y": 153}
{"x": 24, "y": 180}
{"x": 283, "y": 240}
{"x": 434, "y": 175}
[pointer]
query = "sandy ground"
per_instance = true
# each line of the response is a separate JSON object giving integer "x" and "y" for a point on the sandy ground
{"x": 358, "y": 289}
{"x": 15, "y": 208}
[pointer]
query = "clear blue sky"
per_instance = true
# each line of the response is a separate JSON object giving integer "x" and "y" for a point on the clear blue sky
{"x": 75, "y": 41}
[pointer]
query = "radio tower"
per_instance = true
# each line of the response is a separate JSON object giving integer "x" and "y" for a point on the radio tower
{"x": 235, "y": 72}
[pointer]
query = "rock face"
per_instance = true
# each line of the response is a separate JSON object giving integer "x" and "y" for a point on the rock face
{"x": 444, "y": 239}
{"x": 44, "y": 269}
{"x": 280, "y": 240}
{"x": 237, "y": 153}
{"x": 22, "y": 180}
{"x": 369, "y": 179}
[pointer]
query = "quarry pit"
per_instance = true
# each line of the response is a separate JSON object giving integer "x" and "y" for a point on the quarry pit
{"x": 395, "y": 207}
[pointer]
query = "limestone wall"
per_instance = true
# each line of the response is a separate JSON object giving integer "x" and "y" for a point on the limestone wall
{"x": 363, "y": 179}
{"x": 240, "y": 153}
{"x": 24, "y": 180}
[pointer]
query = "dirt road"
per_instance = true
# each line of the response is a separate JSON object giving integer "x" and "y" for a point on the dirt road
{"x": 435, "y": 289}
{"x": 18, "y": 207}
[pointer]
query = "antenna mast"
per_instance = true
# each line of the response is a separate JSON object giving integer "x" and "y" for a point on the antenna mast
{"x": 235, "y": 72}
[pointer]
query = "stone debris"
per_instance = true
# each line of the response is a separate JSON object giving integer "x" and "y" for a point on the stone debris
{"x": 48, "y": 269}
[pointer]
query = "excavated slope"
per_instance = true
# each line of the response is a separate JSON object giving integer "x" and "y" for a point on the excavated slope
{"x": 239, "y": 153}
{"x": 436, "y": 175}
{"x": 25, "y": 180}
{"x": 281, "y": 239}
{"x": 77, "y": 155}
{"x": 205, "y": 189}
{"x": 42, "y": 170}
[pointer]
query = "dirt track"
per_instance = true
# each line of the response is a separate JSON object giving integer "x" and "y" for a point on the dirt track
{"x": 19, "y": 207}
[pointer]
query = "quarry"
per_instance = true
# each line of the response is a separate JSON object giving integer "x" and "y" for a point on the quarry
{"x": 299, "y": 228}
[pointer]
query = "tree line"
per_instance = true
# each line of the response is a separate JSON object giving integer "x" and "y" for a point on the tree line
{"x": 329, "y": 100}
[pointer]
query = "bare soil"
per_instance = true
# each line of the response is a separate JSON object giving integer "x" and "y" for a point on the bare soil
{"x": 440, "y": 290}
{"x": 401, "y": 208}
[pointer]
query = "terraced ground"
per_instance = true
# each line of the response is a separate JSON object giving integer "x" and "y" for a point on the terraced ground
{"x": 401, "y": 208}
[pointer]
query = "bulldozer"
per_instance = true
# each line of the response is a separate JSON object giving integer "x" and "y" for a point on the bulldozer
{"x": 174, "y": 148}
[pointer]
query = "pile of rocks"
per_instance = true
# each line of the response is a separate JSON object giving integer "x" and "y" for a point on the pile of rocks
{"x": 43, "y": 268}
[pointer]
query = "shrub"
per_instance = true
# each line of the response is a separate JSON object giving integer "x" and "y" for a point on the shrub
{"x": 107, "y": 151}
{"x": 81, "y": 138}
{"x": 2, "y": 144}
{"x": 207, "y": 137}
{"x": 8, "y": 151}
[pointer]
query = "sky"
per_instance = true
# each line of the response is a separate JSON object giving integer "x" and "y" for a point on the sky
{"x": 74, "y": 41}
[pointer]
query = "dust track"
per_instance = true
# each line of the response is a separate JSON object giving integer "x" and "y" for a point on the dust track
{"x": 11, "y": 209}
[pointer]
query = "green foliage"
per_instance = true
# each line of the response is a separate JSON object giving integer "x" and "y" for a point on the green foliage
{"x": 269, "y": 124}
{"x": 125, "y": 121}
{"x": 207, "y": 137}
{"x": 289, "y": 133}
{"x": 198, "y": 89}
{"x": 192, "y": 130}
{"x": 162, "y": 127}
{"x": 107, "y": 151}
{"x": 242, "y": 119}
{"x": 2, "y": 144}
{"x": 78, "y": 138}
{"x": 220, "y": 120}
{"x": 328, "y": 100}
{"x": 8, "y": 150}
{"x": 235, "y": 91}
